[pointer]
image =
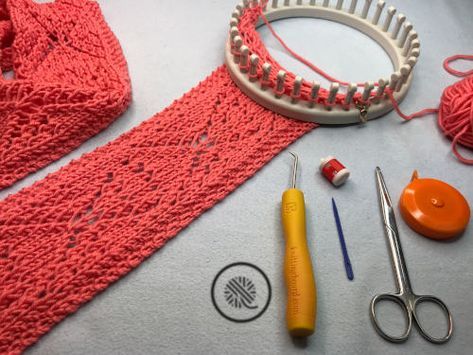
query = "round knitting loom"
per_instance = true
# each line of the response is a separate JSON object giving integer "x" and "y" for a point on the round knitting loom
{"x": 267, "y": 83}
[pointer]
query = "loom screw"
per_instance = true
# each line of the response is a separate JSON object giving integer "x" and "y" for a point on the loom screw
{"x": 363, "y": 112}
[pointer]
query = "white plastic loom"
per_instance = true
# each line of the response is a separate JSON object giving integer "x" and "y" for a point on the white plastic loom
{"x": 399, "y": 40}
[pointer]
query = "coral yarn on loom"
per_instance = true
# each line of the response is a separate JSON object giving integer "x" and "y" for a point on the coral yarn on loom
{"x": 455, "y": 111}
{"x": 251, "y": 38}
{"x": 71, "y": 81}
{"x": 72, "y": 234}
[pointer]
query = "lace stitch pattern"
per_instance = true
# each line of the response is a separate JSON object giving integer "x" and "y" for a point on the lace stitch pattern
{"x": 72, "y": 234}
{"x": 71, "y": 81}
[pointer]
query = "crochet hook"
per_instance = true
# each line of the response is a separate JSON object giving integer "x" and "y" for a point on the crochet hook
{"x": 346, "y": 258}
{"x": 301, "y": 291}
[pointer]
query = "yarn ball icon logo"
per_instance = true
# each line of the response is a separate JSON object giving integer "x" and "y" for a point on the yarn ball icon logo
{"x": 241, "y": 292}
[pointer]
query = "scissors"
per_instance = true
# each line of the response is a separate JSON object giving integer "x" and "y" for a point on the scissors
{"x": 405, "y": 297}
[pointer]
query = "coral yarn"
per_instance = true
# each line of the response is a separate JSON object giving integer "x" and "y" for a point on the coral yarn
{"x": 71, "y": 81}
{"x": 455, "y": 111}
{"x": 455, "y": 116}
{"x": 71, "y": 235}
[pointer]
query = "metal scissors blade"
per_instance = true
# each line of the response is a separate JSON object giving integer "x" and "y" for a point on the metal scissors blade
{"x": 385, "y": 202}
{"x": 383, "y": 190}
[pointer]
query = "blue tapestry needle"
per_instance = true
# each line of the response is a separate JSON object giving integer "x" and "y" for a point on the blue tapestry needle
{"x": 346, "y": 258}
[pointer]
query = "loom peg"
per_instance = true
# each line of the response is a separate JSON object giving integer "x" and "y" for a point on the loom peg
{"x": 351, "y": 91}
{"x": 394, "y": 79}
{"x": 281, "y": 78}
{"x": 254, "y": 60}
{"x": 407, "y": 27}
{"x": 397, "y": 27}
{"x": 366, "y": 9}
{"x": 353, "y": 6}
{"x": 236, "y": 14}
{"x": 414, "y": 45}
{"x": 237, "y": 44}
{"x": 369, "y": 86}
{"x": 234, "y": 32}
{"x": 244, "y": 57}
{"x": 332, "y": 94}
{"x": 379, "y": 9}
{"x": 314, "y": 93}
{"x": 265, "y": 78}
{"x": 415, "y": 52}
{"x": 296, "y": 89}
{"x": 382, "y": 83}
{"x": 405, "y": 71}
{"x": 407, "y": 46}
{"x": 389, "y": 17}
{"x": 412, "y": 61}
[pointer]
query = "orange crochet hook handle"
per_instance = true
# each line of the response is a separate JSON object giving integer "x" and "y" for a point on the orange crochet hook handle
{"x": 299, "y": 277}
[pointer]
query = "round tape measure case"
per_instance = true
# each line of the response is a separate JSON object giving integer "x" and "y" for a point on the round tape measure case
{"x": 434, "y": 208}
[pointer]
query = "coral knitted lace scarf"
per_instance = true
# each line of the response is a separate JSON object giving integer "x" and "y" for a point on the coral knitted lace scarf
{"x": 71, "y": 81}
{"x": 71, "y": 235}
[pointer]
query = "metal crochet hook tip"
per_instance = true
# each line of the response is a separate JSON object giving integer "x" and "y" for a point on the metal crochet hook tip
{"x": 294, "y": 169}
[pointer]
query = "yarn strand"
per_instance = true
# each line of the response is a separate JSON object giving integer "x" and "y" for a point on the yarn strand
{"x": 298, "y": 57}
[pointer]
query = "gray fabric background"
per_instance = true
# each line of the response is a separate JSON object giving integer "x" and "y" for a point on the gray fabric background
{"x": 164, "y": 305}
